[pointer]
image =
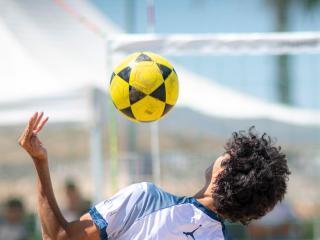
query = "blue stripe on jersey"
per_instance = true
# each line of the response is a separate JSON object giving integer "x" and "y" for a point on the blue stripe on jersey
{"x": 207, "y": 211}
{"x": 100, "y": 222}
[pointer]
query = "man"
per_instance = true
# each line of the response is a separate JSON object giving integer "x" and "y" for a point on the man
{"x": 243, "y": 184}
{"x": 13, "y": 226}
{"x": 280, "y": 223}
{"x": 76, "y": 205}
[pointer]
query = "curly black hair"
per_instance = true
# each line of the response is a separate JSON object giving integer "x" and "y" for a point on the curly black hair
{"x": 253, "y": 179}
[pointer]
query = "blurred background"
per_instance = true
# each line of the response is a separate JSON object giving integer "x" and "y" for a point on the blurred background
{"x": 235, "y": 71}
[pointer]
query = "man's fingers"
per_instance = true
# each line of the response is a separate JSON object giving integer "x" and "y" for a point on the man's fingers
{"x": 38, "y": 119}
{"x": 31, "y": 124}
{"x": 44, "y": 121}
{"x": 26, "y": 134}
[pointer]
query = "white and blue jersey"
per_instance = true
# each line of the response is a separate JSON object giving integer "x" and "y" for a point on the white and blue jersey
{"x": 143, "y": 211}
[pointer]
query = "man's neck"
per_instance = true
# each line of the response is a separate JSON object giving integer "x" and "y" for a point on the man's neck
{"x": 204, "y": 196}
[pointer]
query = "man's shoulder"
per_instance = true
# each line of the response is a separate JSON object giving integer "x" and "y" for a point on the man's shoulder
{"x": 152, "y": 198}
{"x": 145, "y": 188}
{"x": 142, "y": 191}
{"x": 141, "y": 187}
{"x": 151, "y": 190}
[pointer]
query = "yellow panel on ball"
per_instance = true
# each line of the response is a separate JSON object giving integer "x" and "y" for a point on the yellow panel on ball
{"x": 148, "y": 109}
{"x": 119, "y": 91}
{"x": 126, "y": 62}
{"x": 146, "y": 76}
{"x": 172, "y": 88}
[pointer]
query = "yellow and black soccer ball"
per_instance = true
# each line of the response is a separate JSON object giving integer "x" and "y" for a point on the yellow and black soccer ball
{"x": 144, "y": 87}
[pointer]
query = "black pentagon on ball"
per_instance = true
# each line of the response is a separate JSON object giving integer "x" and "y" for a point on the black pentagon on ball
{"x": 165, "y": 71}
{"x": 125, "y": 74}
{"x": 167, "y": 108}
{"x": 112, "y": 76}
{"x": 135, "y": 95}
{"x": 143, "y": 57}
{"x": 175, "y": 71}
{"x": 127, "y": 111}
{"x": 160, "y": 93}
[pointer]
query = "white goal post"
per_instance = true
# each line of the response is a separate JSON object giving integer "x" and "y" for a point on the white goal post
{"x": 218, "y": 44}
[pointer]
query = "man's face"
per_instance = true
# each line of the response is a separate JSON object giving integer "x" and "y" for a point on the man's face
{"x": 73, "y": 198}
{"x": 215, "y": 167}
{"x": 13, "y": 214}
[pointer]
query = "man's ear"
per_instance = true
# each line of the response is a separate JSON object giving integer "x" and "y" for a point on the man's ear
{"x": 218, "y": 168}
{"x": 216, "y": 172}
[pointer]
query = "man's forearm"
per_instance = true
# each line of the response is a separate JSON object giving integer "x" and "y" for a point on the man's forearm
{"x": 54, "y": 224}
{"x": 44, "y": 233}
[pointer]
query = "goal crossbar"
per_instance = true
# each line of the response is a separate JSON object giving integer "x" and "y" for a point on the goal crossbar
{"x": 219, "y": 44}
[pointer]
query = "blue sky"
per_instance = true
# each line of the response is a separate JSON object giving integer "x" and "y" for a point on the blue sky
{"x": 254, "y": 75}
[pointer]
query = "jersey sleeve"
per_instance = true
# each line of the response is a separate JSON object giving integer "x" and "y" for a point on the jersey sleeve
{"x": 115, "y": 214}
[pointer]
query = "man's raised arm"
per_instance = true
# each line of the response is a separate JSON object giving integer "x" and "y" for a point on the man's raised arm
{"x": 54, "y": 225}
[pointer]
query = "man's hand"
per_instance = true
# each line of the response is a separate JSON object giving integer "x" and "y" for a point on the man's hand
{"x": 29, "y": 140}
